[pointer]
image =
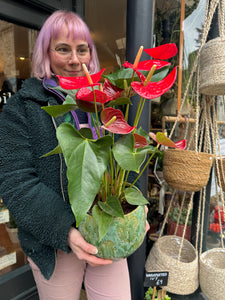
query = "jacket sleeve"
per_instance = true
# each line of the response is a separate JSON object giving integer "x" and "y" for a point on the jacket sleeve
{"x": 36, "y": 207}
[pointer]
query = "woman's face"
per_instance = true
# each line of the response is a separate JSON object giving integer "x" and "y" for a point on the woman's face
{"x": 67, "y": 55}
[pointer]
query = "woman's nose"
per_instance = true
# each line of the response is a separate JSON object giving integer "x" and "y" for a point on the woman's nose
{"x": 74, "y": 58}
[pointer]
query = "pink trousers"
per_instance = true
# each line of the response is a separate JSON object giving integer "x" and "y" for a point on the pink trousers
{"x": 101, "y": 283}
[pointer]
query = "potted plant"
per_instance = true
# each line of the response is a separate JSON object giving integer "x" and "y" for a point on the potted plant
{"x": 110, "y": 205}
{"x": 174, "y": 219}
{"x": 154, "y": 294}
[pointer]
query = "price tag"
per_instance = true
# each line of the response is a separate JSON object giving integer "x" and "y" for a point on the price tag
{"x": 4, "y": 216}
{"x": 7, "y": 260}
{"x": 156, "y": 279}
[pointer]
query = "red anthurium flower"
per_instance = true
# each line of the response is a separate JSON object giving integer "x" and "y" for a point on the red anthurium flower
{"x": 119, "y": 126}
{"x": 73, "y": 83}
{"x": 146, "y": 65}
{"x": 162, "y": 52}
{"x": 85, "y": 94}
{"x": 162, "y": 139}
{"x": 140, "y": 141}
{"x": 154, "y": 89}
{"x": 111, "y": 90}
{"x": 181, "y": 144}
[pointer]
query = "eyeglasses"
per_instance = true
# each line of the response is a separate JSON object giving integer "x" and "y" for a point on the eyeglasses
{"x": 65, "y": 52}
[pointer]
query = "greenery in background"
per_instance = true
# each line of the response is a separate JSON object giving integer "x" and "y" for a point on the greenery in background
{"x": 149, "y": 293}
{"x": 175, "y": 214}
{"x": 167, "y": 30}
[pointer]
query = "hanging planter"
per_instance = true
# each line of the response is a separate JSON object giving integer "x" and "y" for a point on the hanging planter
{"x": 183, "y": 269}
{"x": 212, "y": 71}
{"x": 186, "y": 170}
{"x": 212, "y": 273}
{"x": 121, "y": 240}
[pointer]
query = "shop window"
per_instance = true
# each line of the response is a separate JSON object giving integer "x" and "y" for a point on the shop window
{"x": 107, "y": 22}
{"x": 16, "y": 44}
{"x": 15, "y": 57}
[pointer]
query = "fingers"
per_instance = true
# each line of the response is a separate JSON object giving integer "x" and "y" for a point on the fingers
{"x": 84, "y": 250}
{"x": 147, "y": 227}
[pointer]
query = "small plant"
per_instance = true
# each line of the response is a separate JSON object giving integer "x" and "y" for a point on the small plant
{"x": 175, "y": 214}
{"x": 149, "y": 294}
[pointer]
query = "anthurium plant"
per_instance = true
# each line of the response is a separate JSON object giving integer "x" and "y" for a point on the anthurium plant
{"x": 99, "y": 160}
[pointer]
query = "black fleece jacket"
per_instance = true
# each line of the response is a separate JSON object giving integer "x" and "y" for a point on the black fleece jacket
{"x": 30, "y": 185}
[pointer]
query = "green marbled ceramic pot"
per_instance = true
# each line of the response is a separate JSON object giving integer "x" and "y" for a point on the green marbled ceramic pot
{"x": 123, "y": 237}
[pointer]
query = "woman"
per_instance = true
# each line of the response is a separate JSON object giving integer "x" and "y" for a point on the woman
{"x": 34, "y": 188}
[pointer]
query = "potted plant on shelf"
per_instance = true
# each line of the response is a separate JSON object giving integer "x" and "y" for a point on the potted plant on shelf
{"x": 107, "y": 205}
{"x": 174, "y": 218}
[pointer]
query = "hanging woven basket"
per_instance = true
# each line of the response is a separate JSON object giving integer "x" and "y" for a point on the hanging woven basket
{"x": 221, "y": 165}
{"x": 183, "y": 273}
{"x": 212, "y": 67}
{"x": 186, "y": 170}
{"x": 212, "y": 273}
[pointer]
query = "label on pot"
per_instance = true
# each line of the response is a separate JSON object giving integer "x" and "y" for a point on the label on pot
{"x": 156, "y": 279}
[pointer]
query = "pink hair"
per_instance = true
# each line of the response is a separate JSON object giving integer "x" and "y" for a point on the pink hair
{"x": 50, "y": 30}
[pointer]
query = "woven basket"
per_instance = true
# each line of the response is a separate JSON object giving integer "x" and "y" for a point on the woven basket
{"x": 221, "y": 165}
{"x": 186, "y": 170}
{"x": 183, "y": 274}
{"x": 212, "y": 70}
{"x": 212, "y": 273}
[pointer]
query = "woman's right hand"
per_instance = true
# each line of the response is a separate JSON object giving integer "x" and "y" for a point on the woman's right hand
{"x": 84, "y": 250}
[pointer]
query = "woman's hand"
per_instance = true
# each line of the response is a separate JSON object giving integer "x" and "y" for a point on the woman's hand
{"x": 84, "y": 250}
{"x": 147, "y": 226}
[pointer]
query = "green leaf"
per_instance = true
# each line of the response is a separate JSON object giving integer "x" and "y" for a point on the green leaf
{"x": 120, "y": 75}
{"x": 112, "y": 206}
{"x": 124, "y": 153}
{"x": 119, "y": 101}
{"x": 86, "y": 162}
{"x": 135, "y": 197}
{"x": 57, "y": 150}
{"x": 160, "y": 74}
{"x": 86, "y": 132}
{"x": 71, "y": 93}
{"x": 103, "y": 221}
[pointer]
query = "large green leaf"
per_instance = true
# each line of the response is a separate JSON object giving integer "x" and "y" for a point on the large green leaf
{"x": 126, "y": 156}
{"x": 135, "y": 197}
{"x": 59, "y": 110}
{"x": 119, "y": 101}
{"x": 86, "y": 162}
{"x": 112, "y": 206}
{"x": 103, "y": 221}
{"x": 56, "y": 150}
{"x": 122, "y": 74}
{"x": 71, "y": 93}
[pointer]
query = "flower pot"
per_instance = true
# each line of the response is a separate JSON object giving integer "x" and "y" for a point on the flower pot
{"x": 212, "y": 273}
{"x": 171, "y": 227}
{"x": 124, "y": 236}
{"x": 186, "y": 170}
{"x": 212, "y": 71}
{"x": 183, "y": 273}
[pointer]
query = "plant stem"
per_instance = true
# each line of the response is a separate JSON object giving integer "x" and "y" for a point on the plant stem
{"x": 121, "y": 180}
{"x": 145, "y": 166}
